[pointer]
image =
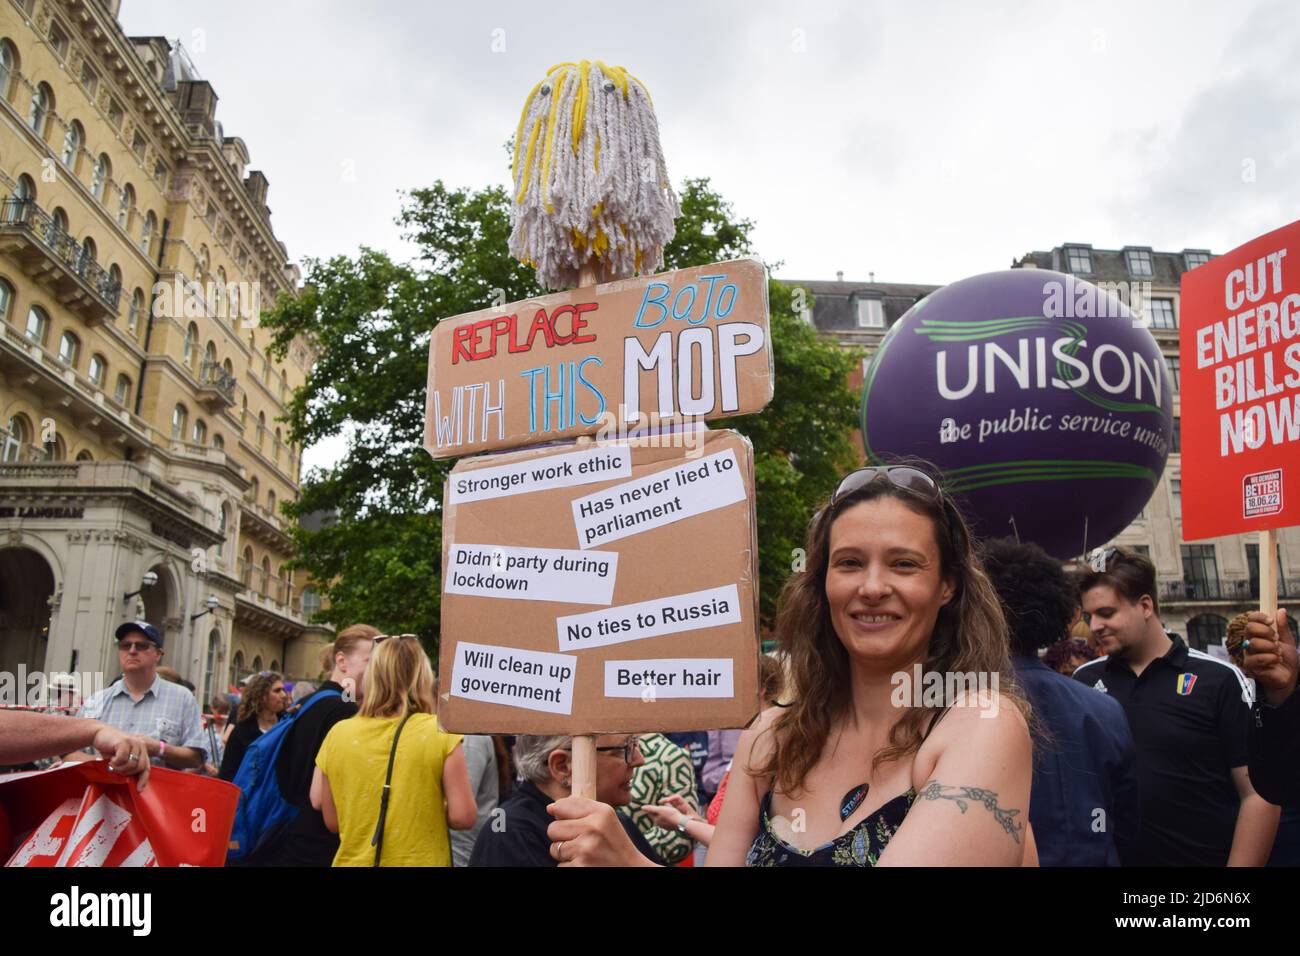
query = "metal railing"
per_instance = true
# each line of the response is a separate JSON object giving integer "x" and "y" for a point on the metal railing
{"x": 214, "y": 375}
{"x": 35, "y": 221}
{"x": 1217, "y": 589}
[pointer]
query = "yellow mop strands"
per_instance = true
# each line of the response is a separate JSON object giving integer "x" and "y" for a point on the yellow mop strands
{"x": 590, "y": 179}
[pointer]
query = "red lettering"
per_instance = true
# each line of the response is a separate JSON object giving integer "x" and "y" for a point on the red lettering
{"x": 579, "y": 323}
{"x": 502, "y": 325}
{"x": 555, "y": 324}
{"x": 458, "y": 339}
{"x": 540, "y": 323}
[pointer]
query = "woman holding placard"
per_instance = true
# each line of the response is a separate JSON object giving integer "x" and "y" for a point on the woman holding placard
{"x": 905, "y": 743}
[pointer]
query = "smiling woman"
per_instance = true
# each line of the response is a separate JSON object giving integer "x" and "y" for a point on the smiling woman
{"x": 850, "y": 773}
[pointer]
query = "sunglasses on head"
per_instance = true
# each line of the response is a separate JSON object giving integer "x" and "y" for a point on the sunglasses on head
{"x": 395, "y": 637}
{"x": 1102, "y": 561}
{"x": 902, "y": 476}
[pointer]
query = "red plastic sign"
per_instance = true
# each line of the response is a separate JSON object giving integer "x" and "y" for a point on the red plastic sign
{"x": 1240, "y": 355}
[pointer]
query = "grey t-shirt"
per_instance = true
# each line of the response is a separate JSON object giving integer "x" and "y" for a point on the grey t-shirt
{"x": 481, "y": 762}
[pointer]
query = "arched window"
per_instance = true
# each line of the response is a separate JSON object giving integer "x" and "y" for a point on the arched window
{"x": 270, "y": 500}
{"x": 266, "y": 575}
{"x": 218, "y": 442}
{"x": 261, "y": 428}
{"x": 275, "y": 449}
{"x": 88, "y": 251}
{"x": 221, "y": 293}
{"x": 56, "y": 450}
{"x": 136, "y": 310}
{"x": 8, "y": 66}
{"x": 200, "y": 434}
{"x": 210, "y": 354}
{"x": 230, "y": 369}
{"x": 20, "y": 433}
{"x": 275, "y": 667}
{"x": 203, "y": 260}
{"x": 69, "y": 349}
{"x": 6, "y": 299}
{"x": 246, "y": 568}
{"x": 237, "y": 667}
{"x": 1204, "y": 630}
{"x": 38, "y": 116}
{"x": 179, "y": 415}
{"x": 254, "y": 489}
{"x": 122, "y": 394}
{"x": 97, "y": 369}
{"x": 124, "y": 207}
{"x": 103, "y": 170}
{"x": 60, "y": 220}
{"x": 38, "y": 324}
{"x": 85, "y": 455}
{"x": 73, "y": 140}
{"x": 223, "y": 526}
{"x": 191, "y": 344}
{"x": 150, "y": 227}
{"x": 26, "y": 189}
{"x": 257, "y": 664}
{"x": 114, "y": 277}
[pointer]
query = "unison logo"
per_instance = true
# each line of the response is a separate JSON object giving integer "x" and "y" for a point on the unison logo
{"x": 75, "y": 908}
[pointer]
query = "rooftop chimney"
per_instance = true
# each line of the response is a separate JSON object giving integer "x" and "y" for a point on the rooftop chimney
{"x": 839, "y": 276}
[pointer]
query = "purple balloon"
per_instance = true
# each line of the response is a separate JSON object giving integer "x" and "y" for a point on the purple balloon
{"x": 1044, "y": 401}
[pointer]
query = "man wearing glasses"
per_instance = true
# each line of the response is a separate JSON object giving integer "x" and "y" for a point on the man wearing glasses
{"x": 142, "y": 703}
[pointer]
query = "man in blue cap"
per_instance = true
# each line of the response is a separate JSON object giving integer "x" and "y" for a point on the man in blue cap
{"x": 165, "y": 714}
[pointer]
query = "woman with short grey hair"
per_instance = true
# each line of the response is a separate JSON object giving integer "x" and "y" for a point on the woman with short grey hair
{"x": 516, "y": 836}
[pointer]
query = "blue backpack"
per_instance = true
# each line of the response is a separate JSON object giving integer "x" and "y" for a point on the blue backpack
{"x": 262, "y": 809}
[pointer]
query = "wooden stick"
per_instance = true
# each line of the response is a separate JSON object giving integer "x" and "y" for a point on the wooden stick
{"x": 1268, "y": 572}
{"x": 584, "y": 746}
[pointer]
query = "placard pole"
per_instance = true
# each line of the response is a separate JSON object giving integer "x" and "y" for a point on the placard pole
{"x": 1268, "y": 572}
{"x": 584, "y": 745}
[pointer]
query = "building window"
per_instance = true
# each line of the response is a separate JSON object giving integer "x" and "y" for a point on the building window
{"x": 38, "y": 324}
{"x": 218, "y": 442}
{"x": 237, "y": 667}
{"x": 138, "y": 144}
{"x": 19, "y": 434}
{"x": 270, "y": 500}
{"x": 1161, "y": 312}
{"x": 210, "y": 672}
{"x": 73, "y": 140}
{"x": 85, "y": 455}
{"x": 122, "y": 394}
{"x": 1205, "y": 630}
{"x": 1174, "y": 370}
{"x": 1200, "y": 571}
{"x": 1196, "y": 257}
{"x": 6, "y": 299}
{"x": 115, "y": 112}
{"x": 1176, "y": 493}
{"x": 1139, "y": 263}
{"x": 114, "y": 277}
{"x": 1176, "y": 438}
{"x": 97, "y": 369}
{"x": 203, "y": 260}
{"x": 124, "y": 207}
{"x": 191, "y": 344}
{"x": 89, "y": 81}
{"x": 58, "y": 40}
{"x": 1252, "y": 568}
{"x": 310, "y": 602}
{"x": 179, "y": 415}
{"x": 42, "y": 106}
{"x": 871, "y": 314}
{"x": 103, "y": 170}
{"x": 69, "y": 348}
{"x": 200, "y": 434}
{"x": 8, "y": 66}
{"x": 136, "y": 310}
{"x": 1079, "y": 259}
{"x": 56, "y": 450}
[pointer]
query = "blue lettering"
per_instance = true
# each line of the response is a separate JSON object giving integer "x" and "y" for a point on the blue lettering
{"x": 656, "y": 300}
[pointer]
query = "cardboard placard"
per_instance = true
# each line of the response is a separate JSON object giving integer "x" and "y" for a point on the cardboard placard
{"x": 1239, "y": 348}
{"x": 621, "y": 601}
{"x": 689, "y": 345}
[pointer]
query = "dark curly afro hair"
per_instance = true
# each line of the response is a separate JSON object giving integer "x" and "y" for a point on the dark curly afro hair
{"x": 1039, "y": 596}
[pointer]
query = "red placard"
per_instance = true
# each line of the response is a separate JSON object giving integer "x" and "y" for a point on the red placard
{"x": 1240, "y": 354}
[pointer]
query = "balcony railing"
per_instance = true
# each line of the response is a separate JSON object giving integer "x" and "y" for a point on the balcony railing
{"x": 1215, "y": 589}
{"x": 216, "y": 385}
{"x": 53, "y": 257}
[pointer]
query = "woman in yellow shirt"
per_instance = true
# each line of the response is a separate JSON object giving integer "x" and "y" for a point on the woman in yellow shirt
{"x": 428, "y": 768}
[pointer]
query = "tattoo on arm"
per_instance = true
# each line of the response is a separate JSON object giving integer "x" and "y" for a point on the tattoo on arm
{"x": 962, "y": 797}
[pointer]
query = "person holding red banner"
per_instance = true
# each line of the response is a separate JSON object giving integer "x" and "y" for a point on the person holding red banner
{"x": 851, "y": 772}
{"x": 1274, "y": 736}
{"x": 25, "y": 737}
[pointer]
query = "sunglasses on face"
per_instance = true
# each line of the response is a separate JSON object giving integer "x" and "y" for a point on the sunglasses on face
{"x": 128, "y": 646}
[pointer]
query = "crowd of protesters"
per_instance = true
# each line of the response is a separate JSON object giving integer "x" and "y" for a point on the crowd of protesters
{"x": 1102, "y": 740}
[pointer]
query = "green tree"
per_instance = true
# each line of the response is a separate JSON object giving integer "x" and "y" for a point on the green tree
{"x": 371, "y": 320}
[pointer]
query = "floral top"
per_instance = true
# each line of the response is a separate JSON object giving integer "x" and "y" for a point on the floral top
{"x": 861, "y": 846}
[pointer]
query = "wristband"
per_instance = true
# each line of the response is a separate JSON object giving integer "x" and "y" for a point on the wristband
{"x": 681, "y": 827}
{"x": 162, "y": 748}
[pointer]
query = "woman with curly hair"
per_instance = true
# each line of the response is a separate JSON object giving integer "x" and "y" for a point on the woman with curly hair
{"x": 862, "y": 768}
{"x": 263, "y": 704}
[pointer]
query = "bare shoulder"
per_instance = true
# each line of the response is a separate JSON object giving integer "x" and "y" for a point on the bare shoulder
{"x": 988, "y": 724}
{"x": 756, "y": 743}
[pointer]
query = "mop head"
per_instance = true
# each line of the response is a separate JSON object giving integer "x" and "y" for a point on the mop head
{"x": 591, "y": 185}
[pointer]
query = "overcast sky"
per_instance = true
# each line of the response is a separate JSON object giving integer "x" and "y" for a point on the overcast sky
{"x": 921, "y": 142}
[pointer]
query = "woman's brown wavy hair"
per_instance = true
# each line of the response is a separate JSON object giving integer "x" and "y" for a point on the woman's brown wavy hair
{"x": 970, "y": 635}
{"x": 255, "y": 694}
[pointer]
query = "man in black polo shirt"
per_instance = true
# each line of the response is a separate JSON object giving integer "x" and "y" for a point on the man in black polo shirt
{"x": 1189, "y": 714}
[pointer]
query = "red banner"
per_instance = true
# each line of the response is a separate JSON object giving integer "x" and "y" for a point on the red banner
{"x": 83, "y": 814}
{"x": 1240, "y": 354}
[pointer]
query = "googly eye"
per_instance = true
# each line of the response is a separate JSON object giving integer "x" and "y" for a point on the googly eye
{"x": 545, "y": 90}
{"x": 609, "y": 87}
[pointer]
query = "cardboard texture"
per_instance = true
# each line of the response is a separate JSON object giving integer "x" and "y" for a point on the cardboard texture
{"x": 664, "y": 523}
{"x": 688, "y": 345}
{"x": 1239, "y": 350}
